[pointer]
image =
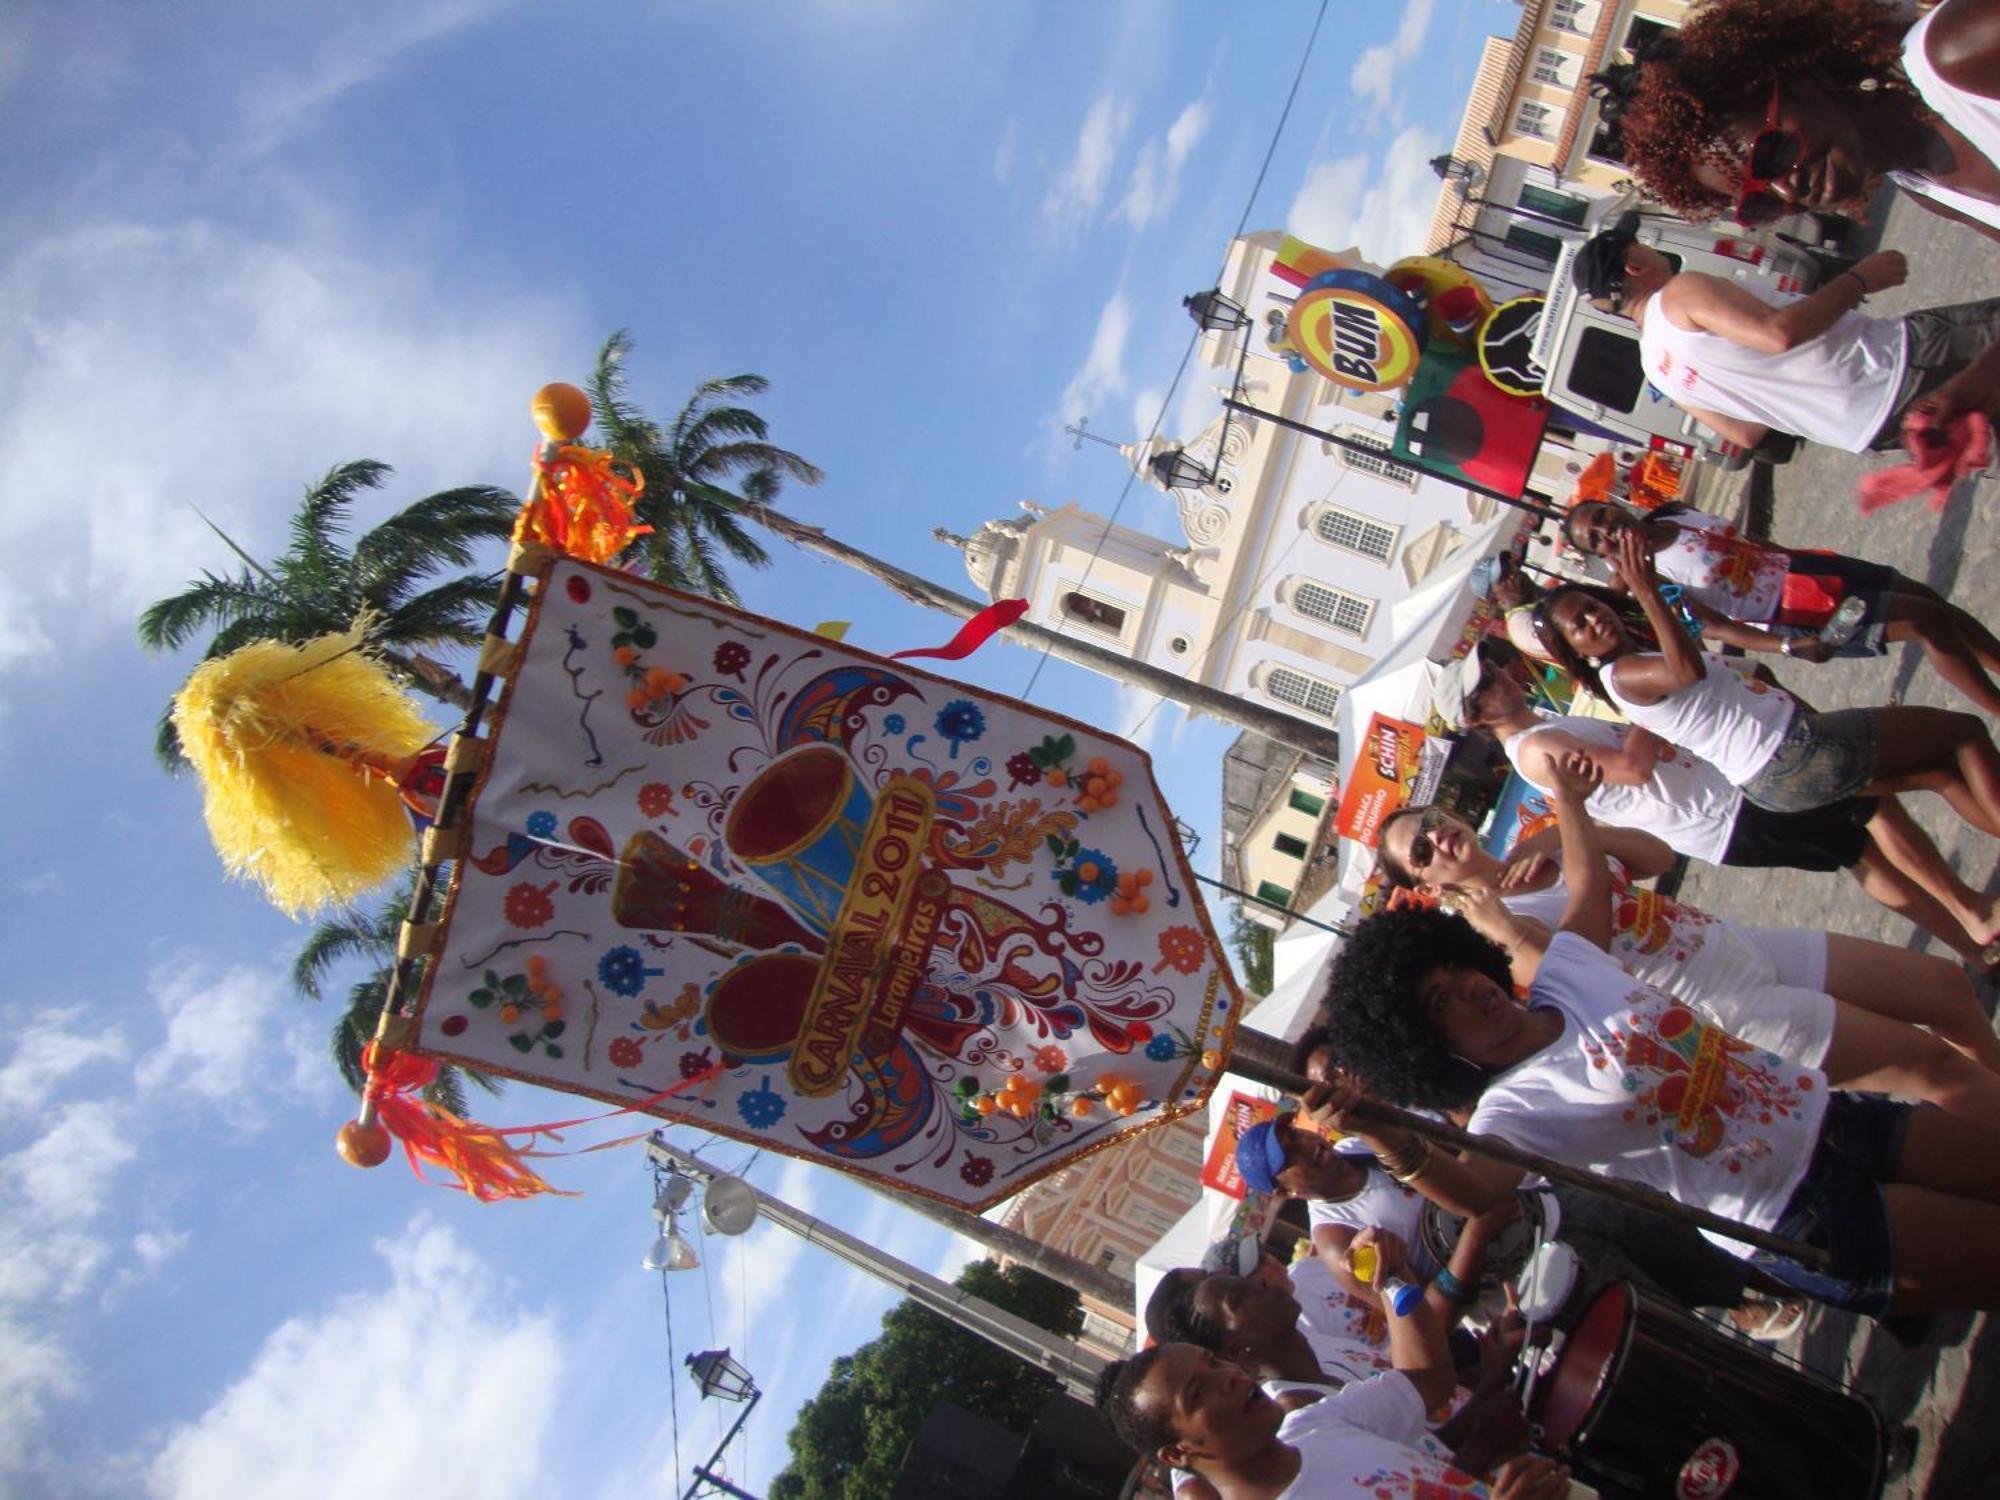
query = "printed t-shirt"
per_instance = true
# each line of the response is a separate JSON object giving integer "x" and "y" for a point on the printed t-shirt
{"x": 1686, "y": 803}
{"x": 1723, "y": 569}
{"x": 1382, "y": 1203}
{"x": 1718, "y": 966}
{"x": 1835, "y": 389}
{"x": 1638, "y": 1086}
{"x": 1368, "y": 1440}
{"x": 1735, "y": 723}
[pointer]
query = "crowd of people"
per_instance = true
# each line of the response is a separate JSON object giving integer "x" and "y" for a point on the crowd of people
{"x": 1838, "y": 1095}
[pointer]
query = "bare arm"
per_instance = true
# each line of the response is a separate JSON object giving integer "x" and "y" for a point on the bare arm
{"x": 1631, "y": 764}
{"x": 1728, "y": 311}
{"x": 1417, "y": 1344}
{"x": 1732, "y": 429}
{"x": 1680, "y": 663}
{"x": 1642, "y": 855}
{"x": 1585, "y": 869}
{"x": 1963, "y": 44}
{"x": 1330, "y": 1244}
{"x": 1467, "y": 1186}
{"x": 1945, "y": 211}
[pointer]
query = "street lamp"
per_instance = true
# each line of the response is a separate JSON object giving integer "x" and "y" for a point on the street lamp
{"x": 670, "y": 1252}
{"x": 1215, "y": 313}
{"x": 720, "y": 1376}
{"x": 1177, "y": 469}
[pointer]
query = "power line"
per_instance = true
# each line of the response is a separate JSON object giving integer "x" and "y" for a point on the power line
{"x": 1249, "y": 206}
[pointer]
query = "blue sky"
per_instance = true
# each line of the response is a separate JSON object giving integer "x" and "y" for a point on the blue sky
{"x": 245, "y": 242}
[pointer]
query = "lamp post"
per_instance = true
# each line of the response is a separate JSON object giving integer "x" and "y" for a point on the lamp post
{"x": 722, "y": 1377}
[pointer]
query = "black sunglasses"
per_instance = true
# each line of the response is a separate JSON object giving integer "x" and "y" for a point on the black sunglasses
{"x": 1423, "y": 848}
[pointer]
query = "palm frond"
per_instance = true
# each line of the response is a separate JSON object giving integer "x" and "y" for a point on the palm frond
{"x": 732, "y": 458}
{"x": 330, "y": 942}
{"x": 167, "y": 745}
{"x": 453, "y": 613}
{"x": 168, "y": 624}
{"x": 321, "y": 516}
{"x": 737, "y": 540}
{"x": 716, "y": 424}
{"x": 438, "y": 531}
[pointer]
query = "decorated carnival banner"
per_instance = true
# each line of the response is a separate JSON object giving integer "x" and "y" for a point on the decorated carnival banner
{"x": 884, "y": 921}
{"x": 1457, "y": 423}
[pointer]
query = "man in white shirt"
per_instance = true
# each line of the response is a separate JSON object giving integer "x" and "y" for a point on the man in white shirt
{"x": 1811, "y": 365}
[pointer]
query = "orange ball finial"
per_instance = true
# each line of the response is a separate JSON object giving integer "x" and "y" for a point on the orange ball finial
{"x": 363, "y": 1145}
{"x": 561, "y": 412}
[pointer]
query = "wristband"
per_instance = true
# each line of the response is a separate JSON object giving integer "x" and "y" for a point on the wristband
{"x": 1453, "y": 1290}
{"x": 1850, "y": 271}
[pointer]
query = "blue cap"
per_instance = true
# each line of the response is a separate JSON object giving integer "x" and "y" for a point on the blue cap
{"x": 1260, "y": 1157}
{"x": 1403, "y": 1297}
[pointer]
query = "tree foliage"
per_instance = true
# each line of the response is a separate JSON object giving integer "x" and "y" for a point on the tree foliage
{"x": 320, "y": 584}
{"x": 849, "y": 1439}
{"x": 699, "y": 469}
{"x": 1251, "y": 942}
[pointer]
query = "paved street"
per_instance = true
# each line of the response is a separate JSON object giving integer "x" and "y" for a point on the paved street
{"x": 1947, "y": 1386}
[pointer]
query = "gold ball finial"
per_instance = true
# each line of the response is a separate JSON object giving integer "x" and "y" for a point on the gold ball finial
{"x": 363, "y": 1145}
{"x": 561, "y": 412}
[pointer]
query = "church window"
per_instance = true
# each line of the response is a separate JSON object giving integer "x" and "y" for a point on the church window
{"x": 1347, "y": 612}
{"x": 1353, "y": 532}
{"x": 1095, "y": 612}
{"x": 1312, "y": 694}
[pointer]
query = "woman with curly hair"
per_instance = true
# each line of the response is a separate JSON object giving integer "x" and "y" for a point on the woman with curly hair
{"x": 1604, "y": 1072}
{"x": 1784, "y": 757}
{"x": 1845, "y": 1005}
{"x": 1759, "y": 108}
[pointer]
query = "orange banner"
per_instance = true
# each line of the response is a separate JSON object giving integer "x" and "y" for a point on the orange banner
{"x": 1381, "y": 779}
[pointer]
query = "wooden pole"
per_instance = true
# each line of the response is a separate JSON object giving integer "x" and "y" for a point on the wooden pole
{"x": 1252, "y": 1058}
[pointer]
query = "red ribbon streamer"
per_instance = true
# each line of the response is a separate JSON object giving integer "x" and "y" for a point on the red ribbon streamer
{"x": 975, "y": 633}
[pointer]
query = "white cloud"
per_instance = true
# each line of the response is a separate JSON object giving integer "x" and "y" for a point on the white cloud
{"x": 154, "y": 1248}
{"x": 1387, "y": 216}
{"x": 1146, "y": 411}
{"x": 1156, "y": 173}
{"x": 1376, "y": 70}
{"x": 230, "y": 1042}
{"x": 64, "y": 1176}
{"x": 47, "y": 883}
{"x": 433, "y": 1384}
{"x": 1102, "y": 374}
{"x": 375, "y": 39}
{"x": 235, "y": 369}
{"x": 1078, "y": 189}
{"x": 50, "y": 1044}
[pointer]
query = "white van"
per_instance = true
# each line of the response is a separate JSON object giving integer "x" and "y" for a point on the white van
{"x": 1591, "y": 358}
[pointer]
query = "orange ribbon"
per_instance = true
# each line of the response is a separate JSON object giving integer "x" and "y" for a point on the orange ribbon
{"x": 582, "y": 505}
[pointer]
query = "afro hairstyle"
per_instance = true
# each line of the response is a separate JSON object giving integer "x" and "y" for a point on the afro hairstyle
{"x": 1380, "y": 1026}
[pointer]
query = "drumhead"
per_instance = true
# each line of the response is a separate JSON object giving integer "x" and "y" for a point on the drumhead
{"x": 1567, "y": 1399}
{"x": 1439, "y": 1229}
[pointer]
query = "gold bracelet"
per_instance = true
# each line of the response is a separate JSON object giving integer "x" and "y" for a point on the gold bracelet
{"x": 1410, "y": 1174}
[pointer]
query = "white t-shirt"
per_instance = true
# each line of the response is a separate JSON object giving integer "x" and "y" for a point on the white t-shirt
{"x": 1973, "y": 116}
{"x": 1637, "y": 1086}
{"x": 1735, "y": 723}
{"x": 1382, "y": 1203}
{"x": 1836, "y": 389}
{"x": 1686, "y": 803}
{"x": 1723, "y": 569}
{"x": 1329, "y": 1312}
{"x": 1368, "y": 1440}
{"x": 1719, "y": 967}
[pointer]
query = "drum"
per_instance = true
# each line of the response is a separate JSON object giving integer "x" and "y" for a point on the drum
{"x": 1647, "y": 1398}
{"x": 798, "y": 825}
{"x": 1439, "y": 1230}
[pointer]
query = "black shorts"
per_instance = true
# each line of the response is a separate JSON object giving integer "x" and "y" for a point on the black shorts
{"x": 1821, "y": 838}
{"x": 1818, "y": 582}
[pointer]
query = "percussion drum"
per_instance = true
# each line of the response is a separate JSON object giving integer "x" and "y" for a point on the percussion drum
{"x": 1649, "y": 1399}
{"x": 798, "y": 825}
{"x": 1439, "y": 1230}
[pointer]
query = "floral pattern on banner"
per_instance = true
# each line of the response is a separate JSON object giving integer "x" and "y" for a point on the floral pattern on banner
{"x": 891, "y": 923}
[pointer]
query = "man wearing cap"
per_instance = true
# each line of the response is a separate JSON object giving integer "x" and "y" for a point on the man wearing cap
{"x": 1748, "y": 363}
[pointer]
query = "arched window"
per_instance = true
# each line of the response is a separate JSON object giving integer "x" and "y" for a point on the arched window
{"x": 1314, "y": 695}
{"x": 1384, "y": 467}
{"x": 1351, "y": 531}
{"x": 1347, "y": 612}
{"x": 1082, "y": 607}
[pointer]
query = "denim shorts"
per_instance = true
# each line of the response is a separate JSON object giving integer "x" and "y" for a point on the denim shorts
{"x": 1838, "y": 1206}
{"x": 1824, "y": 758}
{"x": 1938, "y": 343}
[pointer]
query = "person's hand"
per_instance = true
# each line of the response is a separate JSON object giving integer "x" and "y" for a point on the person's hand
{"x": 1392, "y": 1255}
{"x": 1490, "y": 1430}
{"x": 1530, "y": 1477}
{"x": 1575, "y": 776}
{"x": 1335, "y": 1106}
{"x": 1975, "y": 388}
{"x": 1809, "y": 648}
{"x": 1480, "y": 905}
{"x": 1522, "y": 869}
{"x": 1632, "y": 560}
{"x": 1882, "y": 270}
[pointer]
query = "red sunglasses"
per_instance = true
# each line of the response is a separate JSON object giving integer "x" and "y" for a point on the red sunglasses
{"x": 1773, "y": 152}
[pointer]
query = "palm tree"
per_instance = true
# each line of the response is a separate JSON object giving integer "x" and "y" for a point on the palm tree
{"x": 319, "y": 584}
{"x": 689, "y": 469}
{"x": 370, "y": 937}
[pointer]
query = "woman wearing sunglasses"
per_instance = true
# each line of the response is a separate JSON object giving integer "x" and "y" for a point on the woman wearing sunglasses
{"x": 1812, "y": 365}
{"x": 1759, "y": 108}
{"x": 1845, "y": 1005}
{"x": 1603, "y": 1071}
{"x": 1783, "y": 757}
